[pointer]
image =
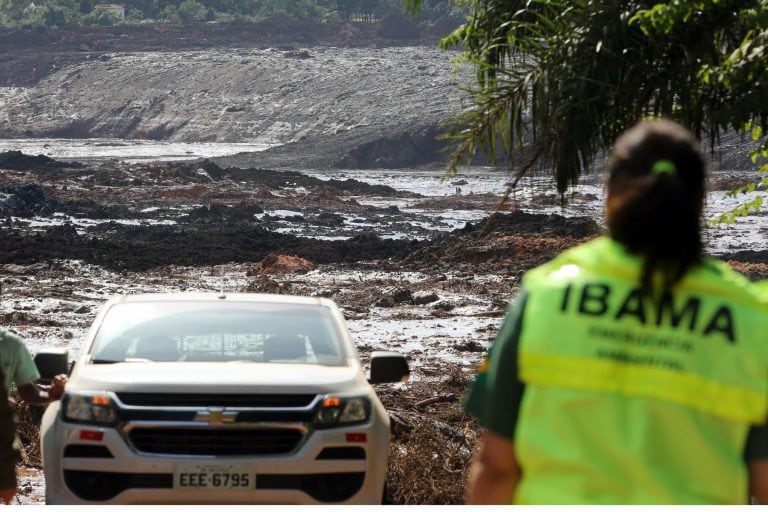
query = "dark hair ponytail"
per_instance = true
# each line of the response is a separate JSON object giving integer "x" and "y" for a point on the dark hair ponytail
{"x": 656, "y": 193}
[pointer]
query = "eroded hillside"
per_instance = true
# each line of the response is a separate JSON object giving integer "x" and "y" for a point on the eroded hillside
{"x": 262, "y": 91}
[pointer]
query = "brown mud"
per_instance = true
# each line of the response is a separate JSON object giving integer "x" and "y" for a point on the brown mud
{"x": 28, "y": 55}
{"x": 73, "y": 234}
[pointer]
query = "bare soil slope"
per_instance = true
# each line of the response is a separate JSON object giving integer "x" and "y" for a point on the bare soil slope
{"x": 362, "y": 99}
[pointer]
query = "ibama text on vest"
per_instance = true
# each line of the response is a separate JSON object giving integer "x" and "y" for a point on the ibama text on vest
{"x": 678, "y": 311}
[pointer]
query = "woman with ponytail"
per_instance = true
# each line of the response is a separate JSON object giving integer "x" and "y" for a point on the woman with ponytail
{"x": 631, "y": 369}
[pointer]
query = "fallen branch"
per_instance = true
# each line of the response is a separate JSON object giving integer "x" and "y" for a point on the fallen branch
{"x": 436, "y": 400}
{"x": 494, "y": 313}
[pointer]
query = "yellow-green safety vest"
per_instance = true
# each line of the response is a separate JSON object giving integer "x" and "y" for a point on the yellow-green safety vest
{"x": 631, "y": 399}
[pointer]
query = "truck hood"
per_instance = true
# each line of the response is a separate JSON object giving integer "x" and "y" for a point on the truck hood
{"x": 213, "y": 378}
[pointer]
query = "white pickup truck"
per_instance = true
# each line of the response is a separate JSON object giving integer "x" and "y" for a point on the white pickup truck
{"x": 200, "y": 398}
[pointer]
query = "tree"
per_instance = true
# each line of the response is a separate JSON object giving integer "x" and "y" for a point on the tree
{"x": 580, "y": 72}
{"x": 290, "y": 9}
{"x": 191, "y": 11}
{"x": 61, "y": 13}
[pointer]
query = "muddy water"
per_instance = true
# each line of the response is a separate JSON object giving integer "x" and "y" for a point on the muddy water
{"x": 131, "y": 151}
{"x": 535, "y": 195}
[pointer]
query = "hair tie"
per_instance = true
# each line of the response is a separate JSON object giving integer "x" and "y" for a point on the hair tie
{"x": 664, "y": 167}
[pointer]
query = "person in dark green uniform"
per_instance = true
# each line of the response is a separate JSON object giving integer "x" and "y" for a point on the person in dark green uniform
{"x": 631, "y": 369}
{"x": 9, "y": 453}
{"x": 18, "y": 369}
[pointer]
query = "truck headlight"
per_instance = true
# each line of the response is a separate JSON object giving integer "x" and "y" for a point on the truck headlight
{"x": 335, "y": 411}
{"x": 88, "y": 408}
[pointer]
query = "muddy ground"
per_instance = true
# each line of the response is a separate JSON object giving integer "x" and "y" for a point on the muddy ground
{"x": 28, "y": 55}
{"x": 379, "y": 92}
{"x": 75, "y": 234}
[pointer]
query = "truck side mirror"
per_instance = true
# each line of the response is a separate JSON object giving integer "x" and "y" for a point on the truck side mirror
{"x": 388, "y": 367}
{"x": 51, "y": 362}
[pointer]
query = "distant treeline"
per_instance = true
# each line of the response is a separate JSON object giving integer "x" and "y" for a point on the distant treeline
{"x": 72, "y": 13}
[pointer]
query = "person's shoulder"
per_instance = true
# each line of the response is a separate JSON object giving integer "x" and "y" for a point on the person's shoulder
{"x": 735, "y": 280}
{"x": 10, "y": 339}
{"x": 722, "y": 270}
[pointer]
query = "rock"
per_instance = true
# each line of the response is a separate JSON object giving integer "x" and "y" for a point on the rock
{"x": 327, "y": 293}
{"x": 281, "y": 264}
{"x": 28, "y": 193}
{"x": 303, "y": 54}
{"x": 384, "y": 302}
{"x": 18, "y": 161}
{"x": 209, "y": 213}
{"x": 82, "y": 310}
{"x": 330, "y": 219}
{"x": 62, "y": 231}
{"x": 265, "y": 284}
{"x": 12, "y": 268}
{"x": 353, "y": 315}
{"x": 469, "y": 346}
{"x": 443, "y": 305}
{"x": 392, "y": 296}
{"x": 424, "y": 297}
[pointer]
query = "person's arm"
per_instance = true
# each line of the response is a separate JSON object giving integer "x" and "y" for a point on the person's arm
{"x": 6, "y": 495}
{"x": 756, "y": 458}
{"x": 758, "y": 480}
{"x": 25, "y": 374}
{"x": 494, "y": 473}
{"x": 8, "y": 451}
{"x": 34, "y": 393}
{"x": 495, "y": 400}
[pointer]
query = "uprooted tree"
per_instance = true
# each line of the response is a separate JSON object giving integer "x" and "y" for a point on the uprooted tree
{"x": 558, "y": 81}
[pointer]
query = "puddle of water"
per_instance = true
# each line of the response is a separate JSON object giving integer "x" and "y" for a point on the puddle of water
{"x": 131, "y": 151}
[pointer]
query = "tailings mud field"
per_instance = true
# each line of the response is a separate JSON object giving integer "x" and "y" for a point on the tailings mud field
{"x": 409, "y": 274}
{"x": 75, "y": 234}
{"x": 351, "y": 95}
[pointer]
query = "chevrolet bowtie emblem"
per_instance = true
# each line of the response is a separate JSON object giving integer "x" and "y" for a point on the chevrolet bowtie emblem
{"x": 216, "y": 416}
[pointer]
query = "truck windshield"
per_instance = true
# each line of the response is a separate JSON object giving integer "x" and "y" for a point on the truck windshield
{"x": 216, "y": 331}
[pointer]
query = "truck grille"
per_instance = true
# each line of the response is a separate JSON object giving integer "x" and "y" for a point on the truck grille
{"x": 211, "y": 400}
{"x": 215, "y": 441}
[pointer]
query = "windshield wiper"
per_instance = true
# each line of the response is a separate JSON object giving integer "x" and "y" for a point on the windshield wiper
{"x": 126, "y": 360}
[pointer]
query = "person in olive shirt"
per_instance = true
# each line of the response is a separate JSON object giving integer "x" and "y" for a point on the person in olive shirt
{"x": 9, "y": 452}
{"x": 631, "y": 369}
{"x": 18, "y": 369}
{"x": 20, "y": 372}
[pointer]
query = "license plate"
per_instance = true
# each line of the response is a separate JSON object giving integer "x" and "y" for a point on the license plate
{"x": 213, "y": 476}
